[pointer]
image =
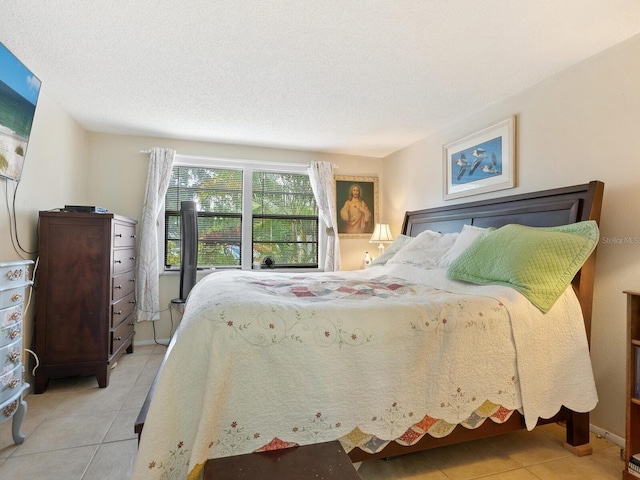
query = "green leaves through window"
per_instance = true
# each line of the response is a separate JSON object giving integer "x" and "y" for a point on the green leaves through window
{"x": 283, "y": 227}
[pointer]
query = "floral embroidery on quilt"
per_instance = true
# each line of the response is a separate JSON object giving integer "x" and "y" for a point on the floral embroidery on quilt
{"x": 233, "y": 441}
{"x": 316, "y": 428}
{"x": 446, "y": 317}
{"x": 175, "y": 464}
{"x": 392, "y": 416}
{"x": 458, "y": 401}
{"x": 486, "y": 321}
{"x": 510, "y": 389}
{"x": 270, "y": 328}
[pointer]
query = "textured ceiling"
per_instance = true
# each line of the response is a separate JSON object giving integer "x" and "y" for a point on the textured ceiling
{"x": 363, "y": 77}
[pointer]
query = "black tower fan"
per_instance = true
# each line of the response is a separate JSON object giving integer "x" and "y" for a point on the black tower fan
{"x": 188, "y": 248}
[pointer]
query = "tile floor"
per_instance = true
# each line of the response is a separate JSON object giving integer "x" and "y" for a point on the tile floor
{"x": 76, "y": 430}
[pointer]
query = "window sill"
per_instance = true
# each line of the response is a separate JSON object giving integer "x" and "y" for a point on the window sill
{"x": 206, "y": 271}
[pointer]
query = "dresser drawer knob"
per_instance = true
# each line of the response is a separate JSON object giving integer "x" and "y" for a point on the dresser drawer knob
{"x": 119, "y": 312}
{"x": 117, "y": 261}
{"x": 14, "y": 356}
{"x": 132, "y": 302}
{"x": 14, "y": 333}
{"x": 132, "y": 258}
{"x": 133, "y": 236}
{"x": 15, "y": 297}
{"x": 132, "y": 280}
{"x": 10, "y": 409}
{"x": 14, "y": 316}
{"x": 15, "y": 274}
{"x": 119, "y": 235}
{"x": 117, "y": 339}
{"x": 118, "y": 287}
{"x": 14, "y": 383}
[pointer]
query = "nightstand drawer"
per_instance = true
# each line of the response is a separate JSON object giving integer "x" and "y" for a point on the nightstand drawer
{"x": 12, "y": 296}
{"x": 12, "y": 274}
{"x": 11, "y": 315}
{"x": 124, "y": 235}
{"x": 10, "y": 382}
{"x": 123, "y": 285}
{"x": 10, "y": 355}
{"x": 123, "y": 309}
{"x": 124, "y": 260}
{"x": 10, "y": 333}
{"x": 121, "y": 334}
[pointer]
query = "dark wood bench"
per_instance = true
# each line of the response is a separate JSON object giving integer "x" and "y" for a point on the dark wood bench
{"x": 321, "y": 461}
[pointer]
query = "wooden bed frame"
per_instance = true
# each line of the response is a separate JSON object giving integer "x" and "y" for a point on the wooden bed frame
{"x": 540, "y": 209}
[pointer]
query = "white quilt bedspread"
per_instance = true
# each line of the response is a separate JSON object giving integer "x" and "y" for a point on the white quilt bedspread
{"x": 263, "y": 360}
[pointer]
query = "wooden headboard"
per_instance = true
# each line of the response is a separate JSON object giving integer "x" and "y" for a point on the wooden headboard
{"x": 547, "y": 208}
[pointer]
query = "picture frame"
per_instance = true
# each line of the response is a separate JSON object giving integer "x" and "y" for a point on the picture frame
{"x": 356, "y": 220}
{"x": 481, "y": 162}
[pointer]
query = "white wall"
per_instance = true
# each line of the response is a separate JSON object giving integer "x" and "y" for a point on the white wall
{"x": 581, "y": 125}
{"x": 117, "y": 179}
{"x": 54, "y": 174}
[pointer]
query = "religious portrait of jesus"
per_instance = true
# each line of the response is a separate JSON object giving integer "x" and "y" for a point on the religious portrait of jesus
{"x": 356, "y": 204}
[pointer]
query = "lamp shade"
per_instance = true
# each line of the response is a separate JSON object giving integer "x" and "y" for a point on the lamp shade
{"x": 381, "y": 234}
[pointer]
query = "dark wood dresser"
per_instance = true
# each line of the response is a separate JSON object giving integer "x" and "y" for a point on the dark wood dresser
{"x": 85, "y": 294}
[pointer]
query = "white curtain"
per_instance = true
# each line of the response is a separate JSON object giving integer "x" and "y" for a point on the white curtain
{"x": 324, "y": 190}
{"x": 147, "y": 264}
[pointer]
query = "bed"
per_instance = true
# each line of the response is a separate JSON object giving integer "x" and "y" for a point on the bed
{"x": 385, "y": 360}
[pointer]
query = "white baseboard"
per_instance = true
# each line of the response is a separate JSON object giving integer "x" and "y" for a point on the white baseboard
{"x": 601, "y": 432}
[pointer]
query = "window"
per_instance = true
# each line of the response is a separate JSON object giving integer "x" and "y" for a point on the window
{"x": 218, "y": 197}
{"x": 245, "y": 215}
{"x": 285, "y": 219}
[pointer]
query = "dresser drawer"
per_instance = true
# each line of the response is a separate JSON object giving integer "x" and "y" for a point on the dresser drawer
{"x": 122, "y": 309}
{"x": 10, "y": 355}
{"x": 121, "y": 334}
{"x": 122, "y": 285}
{"x": 12, "y": 296}
{"x": 10, "y": 333}
{"x": 124, "y": 235}
{"x": 123, "y": 260}
{"x": 13, "y": 274}
{"x": 11, "y": 315}
{"x": 10, "y": 382}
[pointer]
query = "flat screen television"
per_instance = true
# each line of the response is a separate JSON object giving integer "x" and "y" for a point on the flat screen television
{"x": 19, "y": 90}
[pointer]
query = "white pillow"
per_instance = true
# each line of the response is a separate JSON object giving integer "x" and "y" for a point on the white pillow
{"x": 467, "y": 236}
{"x": 425, "y": 250}
{"x": 400, "y": 241}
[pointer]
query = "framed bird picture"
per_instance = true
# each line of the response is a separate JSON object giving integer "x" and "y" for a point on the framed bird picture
{"x": 481, "y": 162}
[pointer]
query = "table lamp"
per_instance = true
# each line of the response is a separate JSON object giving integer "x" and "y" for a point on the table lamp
{"x": 381, "y": 235}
